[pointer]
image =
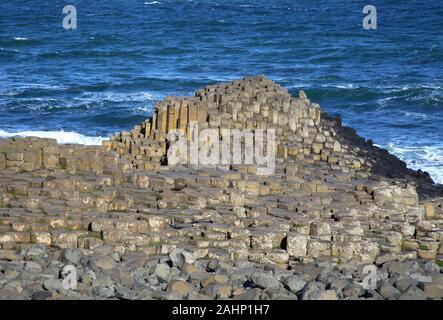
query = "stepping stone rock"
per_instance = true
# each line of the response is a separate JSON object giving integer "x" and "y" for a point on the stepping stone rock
{"x": 163, "y": 272}
{"x": 294, "y": 283}
{"x": 102, "y": 263}
{"x": 180, "y": 288}
{"x": 179, "y": 257}
{"x": 265, "y": 281}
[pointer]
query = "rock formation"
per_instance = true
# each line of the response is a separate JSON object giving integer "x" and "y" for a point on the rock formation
{"x": 333, "y": 196}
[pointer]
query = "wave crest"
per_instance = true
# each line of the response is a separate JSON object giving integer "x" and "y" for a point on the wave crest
{"x": 63, "y": 137}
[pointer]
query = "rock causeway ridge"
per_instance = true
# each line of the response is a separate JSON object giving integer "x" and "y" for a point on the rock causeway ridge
{"x": 333, "y": 196}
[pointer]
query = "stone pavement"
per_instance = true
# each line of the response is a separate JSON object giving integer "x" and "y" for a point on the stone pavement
{"x": 138, "y": 225}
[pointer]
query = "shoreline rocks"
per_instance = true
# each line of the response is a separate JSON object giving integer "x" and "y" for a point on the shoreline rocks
{"x": 137, "y": 226}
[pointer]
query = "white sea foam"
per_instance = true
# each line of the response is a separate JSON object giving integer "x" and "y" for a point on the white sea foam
{"x": 144, "y": 109}
{"x": 22, "y": 87}
{"x": 417, "y": 115}
{"x": 20, "y": 38}
{"x": 153, "y": 2}
{"x": 426, "y": 158}
{"x": 345, "y": 86}
{"x": 119, "y": 97}
{"x": 9, "y": 92}
{"x": 63, "y": 137}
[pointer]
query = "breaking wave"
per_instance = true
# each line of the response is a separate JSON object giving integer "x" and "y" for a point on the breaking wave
{"x": 63, "y": 137}
{"x": 426, "y": 158}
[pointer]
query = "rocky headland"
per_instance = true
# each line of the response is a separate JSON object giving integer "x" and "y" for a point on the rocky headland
{"x": 133, "y": 224}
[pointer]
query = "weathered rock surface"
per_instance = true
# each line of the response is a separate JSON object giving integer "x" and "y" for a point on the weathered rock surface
{"x": 136, "y": 224}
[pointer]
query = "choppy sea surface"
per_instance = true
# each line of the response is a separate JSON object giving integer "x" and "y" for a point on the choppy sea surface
{"x": 83, "y": 85}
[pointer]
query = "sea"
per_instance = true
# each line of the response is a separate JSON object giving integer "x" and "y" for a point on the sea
{"x": 82, "y": 84}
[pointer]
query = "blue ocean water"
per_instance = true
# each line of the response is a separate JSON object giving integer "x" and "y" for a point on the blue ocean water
{"x": 85, "y": 84}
